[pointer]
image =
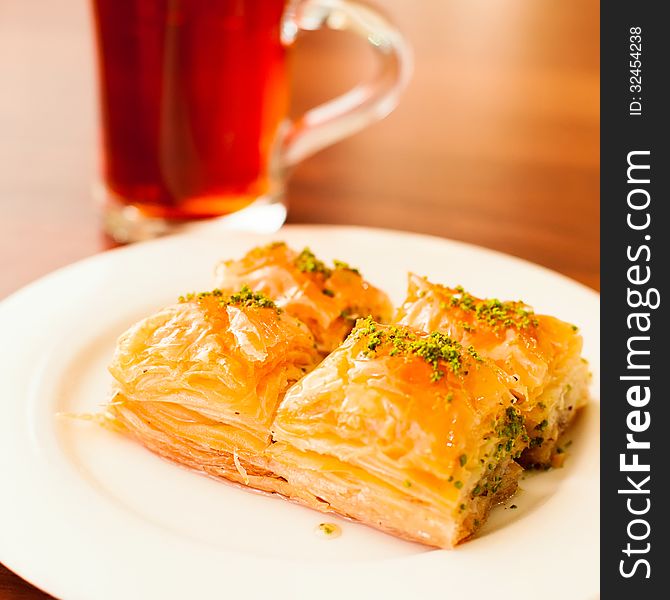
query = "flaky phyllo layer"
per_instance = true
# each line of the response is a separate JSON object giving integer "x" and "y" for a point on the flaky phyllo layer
{"x": 543, "y": 353}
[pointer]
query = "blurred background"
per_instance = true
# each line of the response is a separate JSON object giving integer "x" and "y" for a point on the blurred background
{"x": 495, "y": 142}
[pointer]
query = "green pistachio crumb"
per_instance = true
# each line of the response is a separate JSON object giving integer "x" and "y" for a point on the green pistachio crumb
{"x": 329, "y": 529}
{"x": 244, "y": 298}
{"x": 437, "y": 349}
{"x": 307, "y": 262}
{"x": 542, "y": 425}
{"x": 340, "y": 264}
{"x": 500, "y": 315}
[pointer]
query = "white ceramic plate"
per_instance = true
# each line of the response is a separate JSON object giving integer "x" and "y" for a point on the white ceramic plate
{"x": 85, "y": 513}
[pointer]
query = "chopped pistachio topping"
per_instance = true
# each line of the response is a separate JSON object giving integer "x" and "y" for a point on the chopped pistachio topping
{"x": 245, "y": 297}
{"x": 509, "y": 429}
{"x": 542, "y": 425}
{"x": 437, "y": 349}
{"x": 492, "y": 311}
{"x": 307, "y": 262}
{"x": 330, "y": 530}
{"x": 374, "y": 339}
{"x": 340, "y": 264}
{"x": 462, "y": 459}
{"x": 512, "y": 426}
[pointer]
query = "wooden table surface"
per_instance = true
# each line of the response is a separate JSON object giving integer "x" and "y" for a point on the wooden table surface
{"x": 495, "y": 142}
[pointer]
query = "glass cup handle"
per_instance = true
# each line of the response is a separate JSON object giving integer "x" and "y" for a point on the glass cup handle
{"x": 367, "y": 102}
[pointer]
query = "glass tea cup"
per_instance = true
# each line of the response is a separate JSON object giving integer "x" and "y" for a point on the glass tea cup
{"x": 194, "y": 98}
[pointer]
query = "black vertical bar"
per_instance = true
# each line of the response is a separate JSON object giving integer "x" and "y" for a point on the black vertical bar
{"x": 634, "y": 131}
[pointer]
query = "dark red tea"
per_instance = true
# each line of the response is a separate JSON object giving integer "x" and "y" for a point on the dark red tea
{"x": 192, "y": 94}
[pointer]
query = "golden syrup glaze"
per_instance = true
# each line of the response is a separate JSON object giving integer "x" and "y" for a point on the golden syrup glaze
{"x": 526, "y": 345}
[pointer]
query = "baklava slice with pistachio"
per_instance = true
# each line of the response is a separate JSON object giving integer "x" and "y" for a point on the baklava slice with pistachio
{"x": 411, "y": 433}
{"x": 199, "y": 381}
{"x": 328, "y": 299}
{"x": 542, "y": 352}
